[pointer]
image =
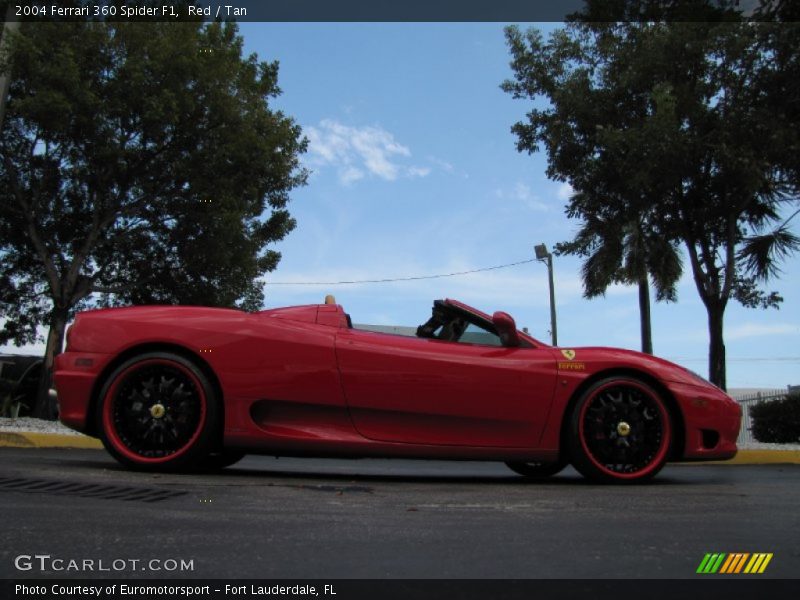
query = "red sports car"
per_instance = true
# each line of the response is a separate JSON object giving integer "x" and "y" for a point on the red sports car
{"x": 167, "y": 387}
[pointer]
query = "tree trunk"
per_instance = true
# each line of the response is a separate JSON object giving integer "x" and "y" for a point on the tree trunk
{"x": 716, "y": 346}
{"x": 644, "y": 315}
{"x": 45, "y": 406}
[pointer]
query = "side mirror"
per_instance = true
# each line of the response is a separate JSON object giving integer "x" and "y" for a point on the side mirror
{"x": 506, "y": 328}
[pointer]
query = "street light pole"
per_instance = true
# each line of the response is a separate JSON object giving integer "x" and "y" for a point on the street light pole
{"x": 543, "y": 255}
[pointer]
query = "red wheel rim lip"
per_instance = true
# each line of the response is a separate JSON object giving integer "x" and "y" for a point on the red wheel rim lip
{"x": 108, "y": 422}
{"x": 666, "y": 431}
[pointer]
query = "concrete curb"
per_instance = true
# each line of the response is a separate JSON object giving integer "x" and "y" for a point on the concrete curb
{"x": 761, "y": 457}
{"x": 25, "y": 439}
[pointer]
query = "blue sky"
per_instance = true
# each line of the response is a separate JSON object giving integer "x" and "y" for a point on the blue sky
{"x": 415, "y": 172}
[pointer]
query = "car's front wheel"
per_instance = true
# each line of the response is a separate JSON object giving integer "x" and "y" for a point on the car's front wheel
{"x": 620, "y": 431}
{"x": 158, "y": 411}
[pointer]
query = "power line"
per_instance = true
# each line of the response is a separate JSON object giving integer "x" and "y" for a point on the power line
{"x": 390, "y": 280}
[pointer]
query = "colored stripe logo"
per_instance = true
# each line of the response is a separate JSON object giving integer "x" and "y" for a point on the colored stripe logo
{"x": 734, "y": 563}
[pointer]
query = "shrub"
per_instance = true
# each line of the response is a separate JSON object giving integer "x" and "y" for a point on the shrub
{"x": 778, "y": 421}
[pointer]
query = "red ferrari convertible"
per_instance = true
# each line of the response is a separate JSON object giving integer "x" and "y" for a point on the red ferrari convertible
{"x": 168, "y": 388}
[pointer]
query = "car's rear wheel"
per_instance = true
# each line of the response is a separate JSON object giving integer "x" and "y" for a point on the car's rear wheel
{"x": 620, "y": 431}
{"x": 536, "y": 470}
{"x": 158, "y": 411}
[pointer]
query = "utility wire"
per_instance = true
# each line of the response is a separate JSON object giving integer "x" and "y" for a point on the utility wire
{"x": 514, "y": 264}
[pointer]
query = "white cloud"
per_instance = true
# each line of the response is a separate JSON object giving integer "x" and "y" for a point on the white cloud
{"x": 442, "y": 164}
{"x": 521, "y": 192}
{"x": 349, "y": 174}
{"x": 748, "y": 330}
{"x": 419, "y": 171}
{"x": 564, "y": 192}
{"x": 359, "y": 151}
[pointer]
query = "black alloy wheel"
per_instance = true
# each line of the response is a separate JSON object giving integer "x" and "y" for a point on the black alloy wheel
{"x": 620, "y": 431}
{"x": 158, "y": 411}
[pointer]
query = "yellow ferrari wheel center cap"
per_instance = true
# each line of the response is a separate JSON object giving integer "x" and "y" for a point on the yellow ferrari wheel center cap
{"x": 157, "y": 411}
{"x": 623, "y": 428}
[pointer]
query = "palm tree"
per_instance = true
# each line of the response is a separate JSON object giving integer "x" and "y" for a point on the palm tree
{"x": 628, "y": 251}
{"x": 762, "y": 253}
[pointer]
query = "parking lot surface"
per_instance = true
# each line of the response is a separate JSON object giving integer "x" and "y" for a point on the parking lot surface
{"x": 314, "y": 518}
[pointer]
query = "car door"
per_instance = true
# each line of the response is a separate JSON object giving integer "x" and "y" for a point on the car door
{"x": 428, "y": 391}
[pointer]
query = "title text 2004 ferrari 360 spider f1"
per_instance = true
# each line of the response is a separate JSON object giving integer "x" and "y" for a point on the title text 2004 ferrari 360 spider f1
{"x": 178, "y": 387}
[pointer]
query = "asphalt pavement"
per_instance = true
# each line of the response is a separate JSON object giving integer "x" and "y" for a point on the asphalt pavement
{"x": 313, "y": 518}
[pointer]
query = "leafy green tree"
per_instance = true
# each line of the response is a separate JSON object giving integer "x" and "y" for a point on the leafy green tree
{"x": 623, "y": 250}
{"x": 620, "y": 236}
{"x": 139, "y": 163}
{"x": 676, "y": 112}
{"x": 779, "y": 81}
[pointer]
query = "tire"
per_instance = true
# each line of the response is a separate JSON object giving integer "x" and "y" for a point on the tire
{"x": 537, "y": 470}
{"x": 221, "y": 459}
{"x": 620, "y": 431}
{"x": 158, "y": 412}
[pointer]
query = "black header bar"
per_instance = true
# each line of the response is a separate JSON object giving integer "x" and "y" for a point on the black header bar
{"x": 706, "y": 587}
{"x": 504, "y": 11}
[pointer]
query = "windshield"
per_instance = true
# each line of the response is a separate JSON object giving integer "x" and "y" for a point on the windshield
{"x": 452, "y": 324}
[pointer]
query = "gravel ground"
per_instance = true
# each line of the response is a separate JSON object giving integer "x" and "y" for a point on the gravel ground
{"x": 760, "y": 446}
{"x": 30, "y": 424}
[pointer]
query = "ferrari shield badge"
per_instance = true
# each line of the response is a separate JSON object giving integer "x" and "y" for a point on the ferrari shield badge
{"x": 568, "y": 354}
